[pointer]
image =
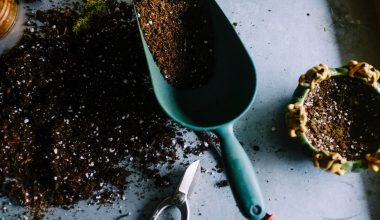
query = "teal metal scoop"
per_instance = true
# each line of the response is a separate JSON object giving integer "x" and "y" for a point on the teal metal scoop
{"x": 217, "y": 105}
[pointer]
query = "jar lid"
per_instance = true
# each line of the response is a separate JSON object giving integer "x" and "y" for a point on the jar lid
{"x": 8, "y": 13}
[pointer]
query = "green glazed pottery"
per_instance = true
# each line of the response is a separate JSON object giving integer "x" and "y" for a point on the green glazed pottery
{"x": 296, "y": 118}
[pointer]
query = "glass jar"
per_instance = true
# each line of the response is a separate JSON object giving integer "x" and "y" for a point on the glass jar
{"x": 8, "y": 13}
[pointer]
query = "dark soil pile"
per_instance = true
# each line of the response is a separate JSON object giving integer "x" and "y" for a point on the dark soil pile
{"x": 179, "y": 35}
{"x": 343, "y": 116}
{"x": 74, "y": 107}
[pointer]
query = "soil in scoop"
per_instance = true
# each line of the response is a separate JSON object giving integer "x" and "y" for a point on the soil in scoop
{"x": 73, "y": 107}
{"x": 179, "y": 35}
{"x": 343, "y": 116}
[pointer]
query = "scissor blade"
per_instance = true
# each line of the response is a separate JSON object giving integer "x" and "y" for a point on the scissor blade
{"x": 190, "y": 178}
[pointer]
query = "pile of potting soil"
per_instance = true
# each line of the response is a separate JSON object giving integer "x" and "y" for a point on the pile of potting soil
{"x": 74, "y": 106}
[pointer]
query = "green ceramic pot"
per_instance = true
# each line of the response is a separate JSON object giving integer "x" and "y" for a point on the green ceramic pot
{"x": 296, "y": 117}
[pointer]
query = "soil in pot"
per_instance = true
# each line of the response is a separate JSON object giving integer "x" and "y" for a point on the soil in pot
{"x": 179, "y": 35}
{"x": 343, "y": 117}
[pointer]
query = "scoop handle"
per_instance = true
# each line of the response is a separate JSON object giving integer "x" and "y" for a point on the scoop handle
{"x": 241, "y": 175}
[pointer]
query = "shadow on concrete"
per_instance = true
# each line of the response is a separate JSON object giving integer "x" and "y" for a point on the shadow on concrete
{"x": 269, "y": 131}
{"x": 358, "y": 37}
{"x": 371, "y": 183}
{"x": 356, "y": 30}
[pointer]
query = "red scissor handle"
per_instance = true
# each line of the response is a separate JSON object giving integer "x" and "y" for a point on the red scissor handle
{"x": 269, "y": 217}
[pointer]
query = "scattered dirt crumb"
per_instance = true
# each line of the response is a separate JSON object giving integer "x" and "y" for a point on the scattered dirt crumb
{"x": 222, "y": 183}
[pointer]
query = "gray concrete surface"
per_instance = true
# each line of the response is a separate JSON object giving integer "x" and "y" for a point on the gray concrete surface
{"x": 284, "y": 38}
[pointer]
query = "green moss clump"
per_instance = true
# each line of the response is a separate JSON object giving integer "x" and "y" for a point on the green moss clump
{"x": 91, "y": 8}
